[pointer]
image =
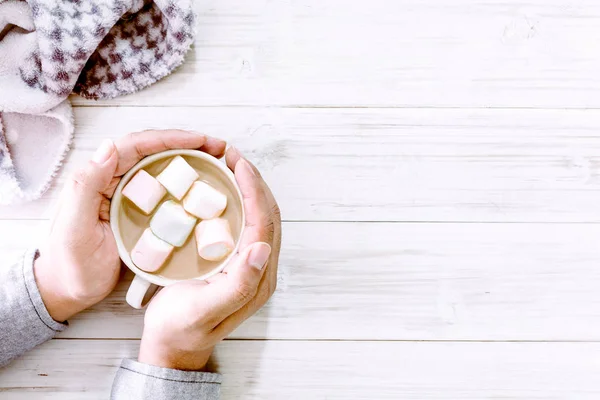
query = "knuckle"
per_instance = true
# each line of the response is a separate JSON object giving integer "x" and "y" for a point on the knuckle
{"x": 244, "y": 292}
{"x": 80, "y": 177}
{"x": 135, "y": 138}
{"x": 262, "y": 229}
{"x": 105, "y": 207}
{"x": 270, "y": 231}
{"x": 267, "y": 230}
{"x": 276, "y": 226}
{"x": 276, "y": 212}
{"x": 132, "y": 136}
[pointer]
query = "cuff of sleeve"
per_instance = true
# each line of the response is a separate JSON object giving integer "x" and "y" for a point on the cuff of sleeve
{"x": 170, "y": 374}
{"x": 34, "y": 293}
{"x": 135, "y": 380}
{"x": 24, "y": 319}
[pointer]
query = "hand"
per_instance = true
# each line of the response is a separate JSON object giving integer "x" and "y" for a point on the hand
{"x": 184, "y": 321}
{"x": 79, "y": 265}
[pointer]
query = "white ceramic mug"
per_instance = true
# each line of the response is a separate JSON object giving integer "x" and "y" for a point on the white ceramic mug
{"x": 140, "y": 292}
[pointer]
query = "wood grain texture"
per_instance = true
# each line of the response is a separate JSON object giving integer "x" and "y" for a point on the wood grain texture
{"x": 390, "y": 281}
{"x": 437, "y": 165}
{"x": 434, "y": 53}
{"x": 386, "y": 164}
{"x": 69, "y": 370}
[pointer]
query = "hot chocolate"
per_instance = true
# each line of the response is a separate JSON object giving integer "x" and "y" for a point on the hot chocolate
{"x": 184, "y": 262}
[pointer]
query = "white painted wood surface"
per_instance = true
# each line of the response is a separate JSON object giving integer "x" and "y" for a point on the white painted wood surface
{"x": 391, "y": 281}
{"x": 438, "y": 168}
{"x": 389, "y": 164}
{"x": 331, "y": 370}
{"x": 392, "y": 53}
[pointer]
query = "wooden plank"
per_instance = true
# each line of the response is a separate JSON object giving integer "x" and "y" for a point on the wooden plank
{"x": 76, "y": 369}
{"x": 465, "y": 53}
{"x": 407, "y": 281}
{"x": 389, "y": 164}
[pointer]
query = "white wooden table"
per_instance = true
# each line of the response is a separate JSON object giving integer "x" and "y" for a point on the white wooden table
{"x": 438, "y": 168}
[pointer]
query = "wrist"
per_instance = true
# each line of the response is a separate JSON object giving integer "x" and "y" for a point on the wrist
{"x": 59, "y": 304}
{"x": 165, "y": 357}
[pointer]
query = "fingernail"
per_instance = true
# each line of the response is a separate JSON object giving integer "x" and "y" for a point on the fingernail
{"x": 233, "y": 150}
{"x": 207, "y": 136}
{"x": 196, "y": 133}
{"x": 104, "y": 152}
{"x": 216, "y": 139}
{"x": 259, "y": 254}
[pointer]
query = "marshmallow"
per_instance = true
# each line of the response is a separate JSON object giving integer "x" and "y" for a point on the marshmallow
{"x": 144, "y": 191}
{"x": 150, "y": 252}
{"x": 177, "y": 177}
{"x": 172, "y": 224}
{"x": 214, "y": 240}
{"x": 204, "y": 201}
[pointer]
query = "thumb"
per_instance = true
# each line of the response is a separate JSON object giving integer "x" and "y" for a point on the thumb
{"x": 85, "y": 188}
{"x": 240, "y": 284}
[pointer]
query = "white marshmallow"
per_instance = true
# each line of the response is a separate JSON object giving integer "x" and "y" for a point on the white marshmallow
{"x": 204, "y": 201}
{"x": 214, "y": 239}
{"x": 150, "y": 252}
{"x": 172, "y": 224}
{"x": 144, "y": 191}
{"x": 177, "y": 177}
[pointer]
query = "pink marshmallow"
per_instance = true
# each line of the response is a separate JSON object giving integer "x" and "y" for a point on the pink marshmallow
{"x": 204, "y": 201}
{"x": 144, "y": 191}
{"x": 150, "y": 252}
{"x": 214, "y": 239}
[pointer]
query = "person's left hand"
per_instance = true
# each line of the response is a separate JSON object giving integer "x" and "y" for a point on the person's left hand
{"x": 79, "y": 264}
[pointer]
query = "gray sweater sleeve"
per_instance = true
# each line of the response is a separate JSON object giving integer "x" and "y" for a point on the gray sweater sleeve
{"x": 26, "y": 323}
{"x": 24, "y": 320}
{"x": 136, "y": 381}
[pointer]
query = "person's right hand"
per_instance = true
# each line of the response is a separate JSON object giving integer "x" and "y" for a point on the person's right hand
{"x": 186, "y": 320}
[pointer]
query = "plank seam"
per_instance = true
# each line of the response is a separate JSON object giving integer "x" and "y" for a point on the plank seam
{"x": 357, "y": 340}
{"x": 334, "y": 107}
{"x": 406, "y": 222}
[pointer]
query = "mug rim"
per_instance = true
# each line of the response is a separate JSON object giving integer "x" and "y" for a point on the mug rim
{"x": 117, "y": 200}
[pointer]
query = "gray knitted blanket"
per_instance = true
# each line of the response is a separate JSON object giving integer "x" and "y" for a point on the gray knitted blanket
{"x": 98, "y": 49}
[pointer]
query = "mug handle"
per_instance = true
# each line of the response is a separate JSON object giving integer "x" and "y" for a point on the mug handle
{"x": 137, "y": 295}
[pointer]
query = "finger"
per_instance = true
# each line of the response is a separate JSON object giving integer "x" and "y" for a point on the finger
{"x": 135, "y": 146}
{"x": 254, "y": 190}
{"x": 84, "y": 190}
{"x": 213, "y": 146}
{"x": 258, "y": 226}
{"x": 236, "y": 288}
{"x": 266, "y": 288}
{"x": 104, "y": 213}
{"x": 232, "y": 157}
